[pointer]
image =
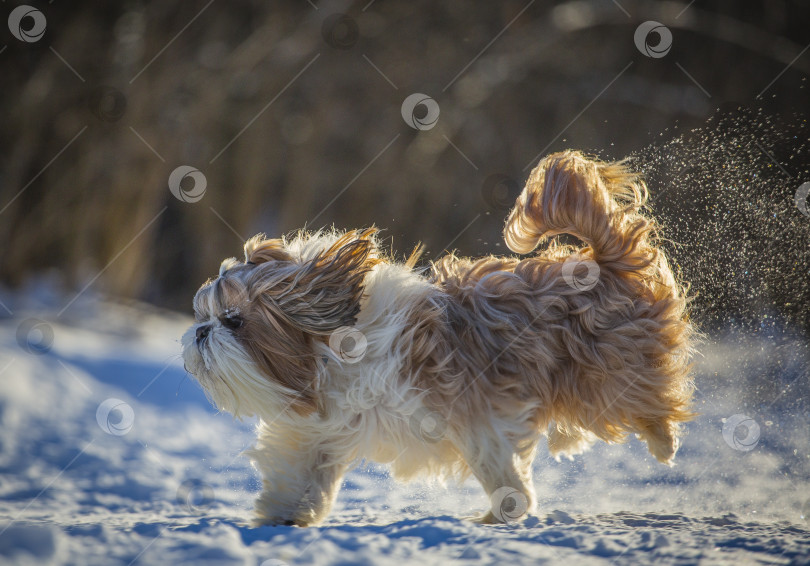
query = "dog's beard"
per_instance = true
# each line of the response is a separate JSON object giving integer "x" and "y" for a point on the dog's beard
{"x": 594, "y": 362}
{"x": 230, "y": 378}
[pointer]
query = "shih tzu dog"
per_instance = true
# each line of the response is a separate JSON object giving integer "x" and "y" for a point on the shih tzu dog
{"x": 344, "y": 353}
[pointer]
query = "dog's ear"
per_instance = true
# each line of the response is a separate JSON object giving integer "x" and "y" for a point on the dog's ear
{"x": 326, "y": 293}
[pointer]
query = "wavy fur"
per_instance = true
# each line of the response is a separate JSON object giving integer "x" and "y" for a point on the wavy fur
{"x": 463, "y": 368}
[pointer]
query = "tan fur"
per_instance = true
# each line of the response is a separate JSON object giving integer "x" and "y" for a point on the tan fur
{"x": 498, "y": 350}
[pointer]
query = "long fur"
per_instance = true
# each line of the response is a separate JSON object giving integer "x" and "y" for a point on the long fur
{"x": 462, "y": 369}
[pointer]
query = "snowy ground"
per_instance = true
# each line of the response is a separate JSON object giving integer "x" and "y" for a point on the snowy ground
{"x": 159, "y": 479}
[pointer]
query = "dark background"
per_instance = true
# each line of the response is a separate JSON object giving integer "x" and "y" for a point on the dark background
{"x": 310, "y": 103}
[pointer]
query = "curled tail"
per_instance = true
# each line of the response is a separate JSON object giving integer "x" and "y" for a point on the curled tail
{"x": 596, "y": 201}
{"x": 647, "y": 379}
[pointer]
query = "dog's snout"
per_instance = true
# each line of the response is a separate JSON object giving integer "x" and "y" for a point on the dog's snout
{"x": 202, "y": 332}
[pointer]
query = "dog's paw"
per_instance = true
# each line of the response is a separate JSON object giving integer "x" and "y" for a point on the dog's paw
{"x": 276, "y": 523}
{"x": 490, "y": 519}
{"x": 262, "y": 521}
{"x": 271, "y": 510}
{"x": 257, "y": 522}
{"x": 487, "y": 519}
{"x": 300, "y": 518}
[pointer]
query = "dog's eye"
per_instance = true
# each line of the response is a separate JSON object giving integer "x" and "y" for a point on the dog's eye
{"x": 231, "y": 321}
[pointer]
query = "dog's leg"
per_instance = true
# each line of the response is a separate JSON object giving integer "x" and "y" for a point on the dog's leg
{"x": 510, "y": 490}
{"x": 300, "y": 478}
{"x": 662, "y": 439}
{"x": 505, "y": 474}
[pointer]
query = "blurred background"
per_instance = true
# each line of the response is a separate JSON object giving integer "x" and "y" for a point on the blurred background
{"x": 278, "y": 115}
{"x": 143, "y": 142}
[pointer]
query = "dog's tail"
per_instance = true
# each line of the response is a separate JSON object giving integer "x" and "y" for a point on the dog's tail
{"x": 596, "y": 201}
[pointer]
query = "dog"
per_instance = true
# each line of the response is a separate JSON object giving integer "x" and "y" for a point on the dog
{"x": 457, "y": 368}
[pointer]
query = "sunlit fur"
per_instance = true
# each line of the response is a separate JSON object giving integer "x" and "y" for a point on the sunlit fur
{"x": 467, "y": 363}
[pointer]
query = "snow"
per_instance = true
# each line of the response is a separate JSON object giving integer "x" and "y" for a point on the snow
{"x": 156, "y": 477}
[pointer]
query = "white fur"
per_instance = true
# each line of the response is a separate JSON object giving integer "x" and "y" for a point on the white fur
{"x": 367, "y": 413}
{"x": 598, "y": 363}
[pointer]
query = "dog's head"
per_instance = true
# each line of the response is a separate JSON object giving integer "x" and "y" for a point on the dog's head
{"x": 253, "y": 343}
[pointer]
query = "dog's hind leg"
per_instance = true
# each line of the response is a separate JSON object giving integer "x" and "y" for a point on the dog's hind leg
{"x": 661, "y": 437}
{"x": 505, "y": 473}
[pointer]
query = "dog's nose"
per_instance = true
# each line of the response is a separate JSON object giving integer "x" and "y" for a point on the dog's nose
{"x": 203, "y": 332}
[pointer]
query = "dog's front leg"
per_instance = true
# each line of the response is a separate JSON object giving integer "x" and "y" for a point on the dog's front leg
{"x": 300, "y": 478}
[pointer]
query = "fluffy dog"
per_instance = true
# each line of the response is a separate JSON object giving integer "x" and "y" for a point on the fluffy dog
{"x": 344, "y": 353}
